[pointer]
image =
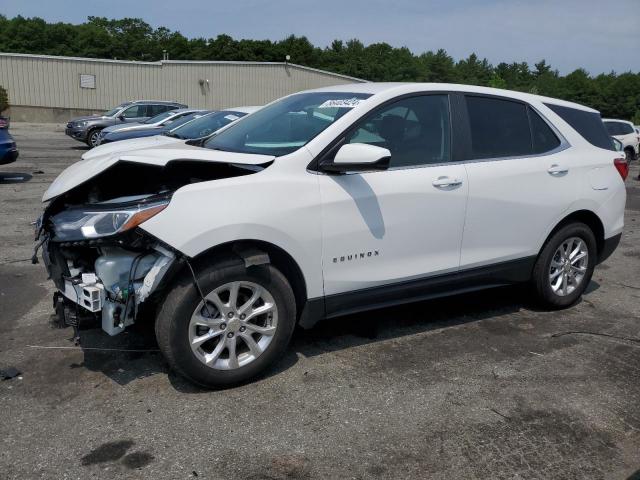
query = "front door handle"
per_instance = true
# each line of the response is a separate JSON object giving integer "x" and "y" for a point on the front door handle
{"x": 444, "y": 182}
{"x": 557, "y": 171}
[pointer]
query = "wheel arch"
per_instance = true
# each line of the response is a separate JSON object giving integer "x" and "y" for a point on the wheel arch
{"x": 90, "y": 131}
{"x": 277, "y": 257}
{"x": 587, "y": 217}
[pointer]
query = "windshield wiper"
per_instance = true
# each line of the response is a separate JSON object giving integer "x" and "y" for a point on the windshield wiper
{"x": 172, "y": 135}
{"x": 196, "y": 142}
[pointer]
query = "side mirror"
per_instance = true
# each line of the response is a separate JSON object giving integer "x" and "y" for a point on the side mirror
{"x": 121, "y": 117}
{"x": 359, "y": 157}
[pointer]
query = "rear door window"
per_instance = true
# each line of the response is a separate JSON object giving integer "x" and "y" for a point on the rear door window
{"x": 154, "y": 110}
{"x": 588, "y": 124}
{"x": 499, "y": 128}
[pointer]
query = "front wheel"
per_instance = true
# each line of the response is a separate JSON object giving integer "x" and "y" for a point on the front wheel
{"x": 241, "y": 328}
{"x": 565, "y": 266}
{"x": 93, "y": 139}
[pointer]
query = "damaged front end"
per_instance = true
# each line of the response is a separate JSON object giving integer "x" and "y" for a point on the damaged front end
{"x": 102, "y": 264}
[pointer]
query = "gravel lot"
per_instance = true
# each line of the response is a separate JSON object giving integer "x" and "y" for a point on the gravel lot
{"x": 476, "y": 386}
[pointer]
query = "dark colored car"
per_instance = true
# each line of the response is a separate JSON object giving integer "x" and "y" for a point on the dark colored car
{"x": 8, "y": 149}
{"x": 207, "y": 124}
{"x": 87, "y": 129}
{"x": 149, "y": 131}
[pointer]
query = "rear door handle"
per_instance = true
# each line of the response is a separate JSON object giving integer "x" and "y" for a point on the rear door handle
{"x": 557, "y": 171}
{"x": 443, "y": 182}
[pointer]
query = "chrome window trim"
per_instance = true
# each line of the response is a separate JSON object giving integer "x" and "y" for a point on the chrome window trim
{"x": 562, "y": 147}
{"x": 564, "y": 143}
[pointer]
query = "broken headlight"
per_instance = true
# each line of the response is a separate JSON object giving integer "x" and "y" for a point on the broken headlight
{"x": 84, "y": 223}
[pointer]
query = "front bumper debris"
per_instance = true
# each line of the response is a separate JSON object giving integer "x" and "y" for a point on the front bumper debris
{"x": 108, "y": 282}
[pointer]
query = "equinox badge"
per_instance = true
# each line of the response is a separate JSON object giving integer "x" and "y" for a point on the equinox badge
{"x": 356, "y": 256}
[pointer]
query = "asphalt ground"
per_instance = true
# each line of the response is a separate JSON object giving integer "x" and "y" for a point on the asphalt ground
{"x": 475, "y": 386}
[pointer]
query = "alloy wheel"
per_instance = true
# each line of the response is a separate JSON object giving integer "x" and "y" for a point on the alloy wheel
{"x": 94, "y": 139}
{"x": 234, "y": 327}
{"x": 569, "y": 266}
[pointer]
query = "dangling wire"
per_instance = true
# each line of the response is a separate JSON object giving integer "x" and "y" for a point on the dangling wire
{"x": 195, "y": 282}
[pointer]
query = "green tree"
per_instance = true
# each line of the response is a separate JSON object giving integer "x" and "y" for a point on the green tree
{"x": 497, "y": 81}
{"x": 614, "y": 95}
{"x": 473, "y": 71}
{"x": 436, "y": 67}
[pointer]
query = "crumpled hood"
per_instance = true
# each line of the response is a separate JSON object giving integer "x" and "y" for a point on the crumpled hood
{"x": 160, "y": 155}
{"x": 128, "y": 145}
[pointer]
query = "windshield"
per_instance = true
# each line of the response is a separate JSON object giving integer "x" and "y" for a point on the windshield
{"x": 160, "y": 117}
{"x": 113, "y": 111}
{"x": 286, "y": 125}
{"x": 206, "y": 125}
{"x": 176, "y": 122}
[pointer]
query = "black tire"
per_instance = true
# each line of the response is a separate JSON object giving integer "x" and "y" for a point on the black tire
{"x": 92, "y": 137}
{"x": 630, "y": 154}
{"x": 172, "y": 322}
{"x": 540, "y": 278}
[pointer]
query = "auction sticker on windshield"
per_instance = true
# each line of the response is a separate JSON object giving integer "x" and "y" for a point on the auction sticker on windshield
{"x": 341, "y": 103}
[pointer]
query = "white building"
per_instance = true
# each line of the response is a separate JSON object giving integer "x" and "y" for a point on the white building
{"x": 53, "y": 89}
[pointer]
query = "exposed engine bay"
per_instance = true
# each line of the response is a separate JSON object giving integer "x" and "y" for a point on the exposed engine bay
{"x": 102, "y": 264}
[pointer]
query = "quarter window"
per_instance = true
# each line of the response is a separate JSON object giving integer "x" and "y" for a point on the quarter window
{"x": 544, "y": 140}
{"x": 499, "y": 128}
{"x": 588, "y": 124}
{"x": 415, "y": 130}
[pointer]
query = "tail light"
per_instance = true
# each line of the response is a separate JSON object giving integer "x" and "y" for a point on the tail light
{"x": 4, "y": 123}
{"x": 622, "y": 166}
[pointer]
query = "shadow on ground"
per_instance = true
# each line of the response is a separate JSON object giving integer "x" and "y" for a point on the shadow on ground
{"x": 135, "y": 352}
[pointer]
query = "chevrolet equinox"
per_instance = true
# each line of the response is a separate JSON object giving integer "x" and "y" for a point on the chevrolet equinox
{"x": 328, "y": 202}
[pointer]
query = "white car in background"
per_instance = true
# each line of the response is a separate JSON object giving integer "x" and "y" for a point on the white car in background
{"x": 625, "y": 132}
{"x": 328, "y": 202}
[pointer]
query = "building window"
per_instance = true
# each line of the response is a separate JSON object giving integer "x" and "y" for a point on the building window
{"x": 87, "y": 81}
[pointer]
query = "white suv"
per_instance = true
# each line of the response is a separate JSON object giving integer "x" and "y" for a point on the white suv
{"x": 329, "y": 202}
{"x": 625, "y": 132}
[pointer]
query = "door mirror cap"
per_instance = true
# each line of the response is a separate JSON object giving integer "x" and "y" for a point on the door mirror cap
{"x": 359, "y": 157}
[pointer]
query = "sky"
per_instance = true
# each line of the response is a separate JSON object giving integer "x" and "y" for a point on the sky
{"x": 598, "y": 35}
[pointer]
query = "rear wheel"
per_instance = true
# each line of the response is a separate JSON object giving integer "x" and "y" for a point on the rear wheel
{"x": 565, "y": 266}
{"x": 241, "y": 328}
{"x": 629, "y": 154}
